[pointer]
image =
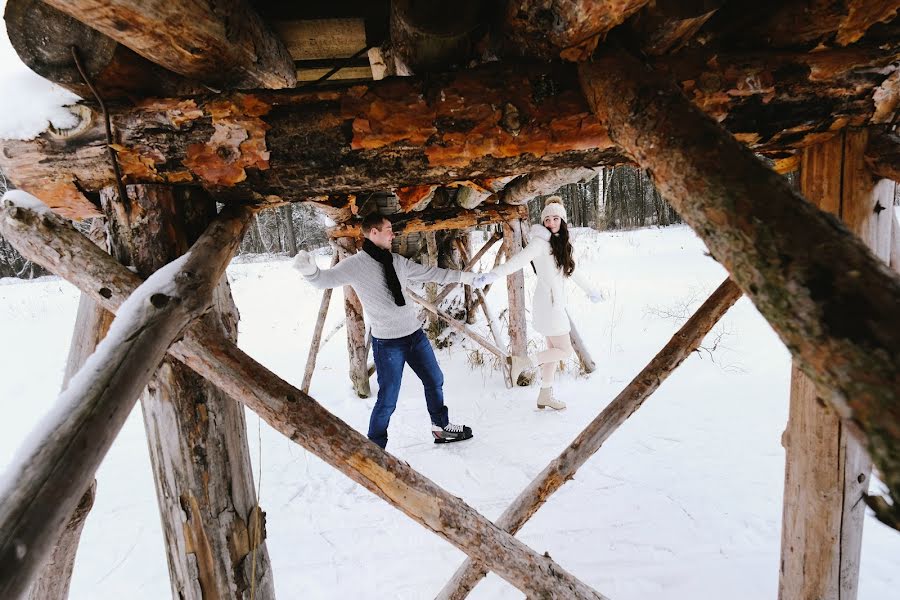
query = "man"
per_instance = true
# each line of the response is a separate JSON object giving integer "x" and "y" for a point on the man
{"x": 379, "y": 278}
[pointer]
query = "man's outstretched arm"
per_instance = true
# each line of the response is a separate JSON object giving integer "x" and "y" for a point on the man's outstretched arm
{"x": 338, "y": 275}
{"x": 423, "y": 274}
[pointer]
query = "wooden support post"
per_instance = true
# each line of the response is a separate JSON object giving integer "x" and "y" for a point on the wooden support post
{"x": 432, "y": 319}
{"x": 629, "y": 400}
{"x": 581, "y": 350}
{"x": 43, "y": 486}
{"x": 832, "y": 302}
{"x": 356, "y": 328}
{"x": 207, "y": 506}
{"x": 54, "y": 243}
{"x": 315, "y": 343}
{"x": 470, "y": 264}
{"x": 827, "y": 469}
{"x": 515, "y": 287}
{"x": 462, "y": 244}
{"x": 91, "y": 324}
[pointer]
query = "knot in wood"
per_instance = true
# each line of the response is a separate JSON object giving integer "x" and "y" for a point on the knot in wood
{"x": 511, "y": 122}
{"x": 159, "y": 300}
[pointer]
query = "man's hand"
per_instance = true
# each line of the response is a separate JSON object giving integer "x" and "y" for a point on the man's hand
{"x": 305, "y": 263}
{"x": 483, "y": 280}
{"x": 597, "y": 296}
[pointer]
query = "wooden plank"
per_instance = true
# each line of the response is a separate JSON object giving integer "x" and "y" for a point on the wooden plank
{"x": 321, "y": 38}
{"x": 461, "y": 327}
{"x": 347, "y": 73}
{"x": 315, "y": 343}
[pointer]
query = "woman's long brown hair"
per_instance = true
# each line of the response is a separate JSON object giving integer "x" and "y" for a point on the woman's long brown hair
{"x": 562, "y": 249}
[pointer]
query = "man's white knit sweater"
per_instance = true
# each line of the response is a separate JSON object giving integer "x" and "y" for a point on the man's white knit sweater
{"x": 366, "y": 276}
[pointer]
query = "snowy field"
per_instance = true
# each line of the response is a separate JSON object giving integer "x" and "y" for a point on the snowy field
{"x": 683, "y": 502}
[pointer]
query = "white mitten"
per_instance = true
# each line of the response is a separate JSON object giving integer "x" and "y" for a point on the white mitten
{"x": 305, "y": 263}
{"x": 483, "y": 280}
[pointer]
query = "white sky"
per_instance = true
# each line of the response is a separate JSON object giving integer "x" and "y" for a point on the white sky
{"x": 27, "y": 101}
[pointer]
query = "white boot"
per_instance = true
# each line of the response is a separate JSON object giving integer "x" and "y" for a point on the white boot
{"x": 546, "y": 400}
{"x": 518, "y": 364}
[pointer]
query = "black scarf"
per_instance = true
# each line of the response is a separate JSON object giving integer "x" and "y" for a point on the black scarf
{"x": 386, "y": 258}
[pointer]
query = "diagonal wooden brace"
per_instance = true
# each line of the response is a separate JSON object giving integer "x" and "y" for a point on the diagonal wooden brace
{"x": 563, "y": 467}
{"x": 57, "y": 245}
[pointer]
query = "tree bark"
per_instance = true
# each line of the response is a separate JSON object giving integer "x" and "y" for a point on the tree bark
{"x": 44, "y": 486}
{"x": 224, "y": 44}
{"x": 43, "y": 37}
{"x": 495, "y": 121}
{"x": 662, "y": 27}
{"x": 315, "y": 343}
{"x": 629, "y": 400}
{"x": 357, "y": 350}
{"x": 567, "y": 29}
{"x": 297, "y": 416}
{"x": 835, "y": 308}
{"x": 196, "y": 434}
{"x": 827, "y": 470}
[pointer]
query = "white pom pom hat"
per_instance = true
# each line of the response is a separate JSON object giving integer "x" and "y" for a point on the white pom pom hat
{"x": 553, "y": 207}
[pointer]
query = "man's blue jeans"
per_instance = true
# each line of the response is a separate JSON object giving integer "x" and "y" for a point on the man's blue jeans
{"x": 390, "y": 357}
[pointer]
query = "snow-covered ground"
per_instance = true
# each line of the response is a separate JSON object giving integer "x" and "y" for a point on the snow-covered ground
{"x": 684, "y": 501}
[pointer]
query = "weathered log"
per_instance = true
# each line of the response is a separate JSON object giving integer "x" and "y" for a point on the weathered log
{"x": 91, "y": 324}
{"x": 524, "y": 188}
{"x": 439, "y": 220}
{"x": 494, "y": 121}
{"x": 515, "y": 289}
{"x": 317, "y": 332}
{"x": 629, "y": 400}
{"x": 357, "y": 349}
{"x": 42, "y": 487}
{"x": 567, "y": 29}
{"x": 470, "y": 195}
{"x": 208, "y": 506}
{"x": 432, "y": 36}
{"x": 835, "y": 308}
{"x": 827, "y": 469}
{"x": 665, "y": 25}
{"x": 57, "y": 244}
{"x": 461, "y": 327}
{"x": 226, "y": 45}
{"x": 43, "y": 37}
{"x": 883, "y": 154}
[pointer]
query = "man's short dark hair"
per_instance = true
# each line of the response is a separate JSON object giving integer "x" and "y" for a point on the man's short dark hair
{"x": 373, "y": 220}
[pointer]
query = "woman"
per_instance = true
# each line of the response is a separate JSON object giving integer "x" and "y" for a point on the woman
{"x": 550, "y": 252}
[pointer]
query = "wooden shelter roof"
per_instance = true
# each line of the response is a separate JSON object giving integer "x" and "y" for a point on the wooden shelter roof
{"x": 490, "y": 96}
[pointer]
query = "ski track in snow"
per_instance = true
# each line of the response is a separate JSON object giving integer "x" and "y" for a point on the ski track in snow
{"x": 683, "y": 501}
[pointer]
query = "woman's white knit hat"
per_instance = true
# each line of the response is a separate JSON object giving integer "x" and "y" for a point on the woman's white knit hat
{"x": 553, "y": 207}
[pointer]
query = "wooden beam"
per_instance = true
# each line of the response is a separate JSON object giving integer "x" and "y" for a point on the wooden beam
{"x": 567, "y": 29}
{"x": 470, "y": 264}
{"x": 461, "y": 327}
{"x": 226, "y": 45}
{"x": 43, "y": 38}
{"x": 318, "y": 39}
{"x": 51, "y": 241}
{"x": 835, "y": 308}
{"x": 581, "y": 349}
{"x": 207, "y": 508}
{"x": 883, "y": 154}
{"x": 43, "y": 486}
{"x": 629, "y": 400}
{"x": 495, "y": 121}
{"x": 439, "y": 220}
